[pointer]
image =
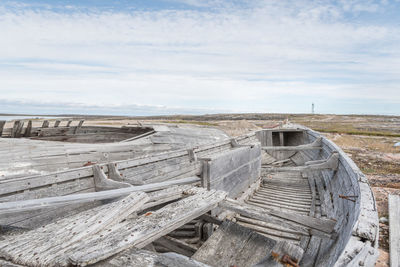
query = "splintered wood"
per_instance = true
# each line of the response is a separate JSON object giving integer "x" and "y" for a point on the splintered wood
{"x": 97, "y": 234}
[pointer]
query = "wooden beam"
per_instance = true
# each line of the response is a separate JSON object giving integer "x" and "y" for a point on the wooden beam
{"x": 145, "y": 229}
{"x": 281, "y": 139}
{"x": 57, "y": 123}
{"x": 15, "y": 128}
{"x": 78, "y": 127}
{"x": 323, "y": 225}
{"x": 176, "y": 245}
{"x": 45, "y": 124}
{"x": 28, "y": 129}
{"x": 394, "y": 230}
{"x": 2, "y": 123}
{"x": 50, "y": 243}
{"x": 36, "y": 204}
{"x": 69, "y": 123}
{"x": 331, "y": 163}
{"x": 101, "y": 182}
{"x": 314, "y": 145}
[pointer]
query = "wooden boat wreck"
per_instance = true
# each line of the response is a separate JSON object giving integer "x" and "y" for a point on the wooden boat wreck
{"x": 160, "y": 195}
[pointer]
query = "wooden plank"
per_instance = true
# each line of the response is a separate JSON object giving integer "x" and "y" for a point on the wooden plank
{"x": 234, "y": 171}
{"x": 16, "y": 129}
{"x": 314, "y": 145}
{"x": 35, "y": 204}
{"x": 28, "y": 129}
{"x": 330, "y": 163}
{"x": 145, "y": 229}
{"x": 234, "y": 245}
{"x": 394, "y": 230}
{"x": 2, "y": 123}
{"x": 45, "y": 124}
{"x": 141, "y": 257}
{"x": 313, "y": 195}
{"x": 176, "y": 245}
{"x": 281, "y": 139}
{"x": 323, "y": 225}
{"x": 311, "y": 251}
{"x": 40, "y": 247}
{"x": 57, "y": 123}
{"x": 281, "y": 250}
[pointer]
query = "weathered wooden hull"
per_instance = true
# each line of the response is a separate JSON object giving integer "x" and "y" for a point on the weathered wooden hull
{"x": 290, "y": 191}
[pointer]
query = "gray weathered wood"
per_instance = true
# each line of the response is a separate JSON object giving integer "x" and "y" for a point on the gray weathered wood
{"x": 69, "y": 232}
{"x": 28, "y": 129}
{"x": 141, "y": 257}
{"x": 101, "y": 182}
{"x": 277, "y": 256}
{"x": 2, "y": 123}
{"x": 45, "y": 124}
{"x": 233, "y": 171}
{"x": 330, "y": 163}
{"x": 176, "y": 245}
{"x": 226, "y": 247}
{"x": 314, "y": 145}
{"x": 394, "y": 230}
{"x": 324, "y": 225}
{"x": 145, "y": 229}
{"x": 35, "y": 204}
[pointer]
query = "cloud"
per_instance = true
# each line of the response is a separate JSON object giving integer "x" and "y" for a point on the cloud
{"x": 237, "y": 57}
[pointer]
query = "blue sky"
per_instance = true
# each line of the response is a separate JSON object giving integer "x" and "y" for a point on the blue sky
{"x": 194, "y": 57}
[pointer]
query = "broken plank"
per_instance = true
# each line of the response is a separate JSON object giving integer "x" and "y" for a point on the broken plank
{"x": 34, "y": 204}
{"x": 41, "y": 247}
{"x": 146, "y": 228}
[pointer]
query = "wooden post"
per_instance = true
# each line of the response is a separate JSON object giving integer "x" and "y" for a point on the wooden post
{"x": 19, "y": 131}
{"x": 68, "y": 123}
{"x": 28, "y": 129}
{"x": 2, "y": 123}
{"x": 57, "y": 123}
{"x": 16, "y": 129}
{"x": 45, "y": 124}
{"x": 79, "y": 126}
{"x": 281, "y": 139}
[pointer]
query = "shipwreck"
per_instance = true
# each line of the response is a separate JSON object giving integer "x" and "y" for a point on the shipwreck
{"x": 173, "y": 195}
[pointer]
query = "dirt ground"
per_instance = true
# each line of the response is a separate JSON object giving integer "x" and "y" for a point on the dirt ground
{"x": 368, "y": 140}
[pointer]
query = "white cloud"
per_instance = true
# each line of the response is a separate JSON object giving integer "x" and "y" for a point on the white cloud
{"x": 198, "y": 58}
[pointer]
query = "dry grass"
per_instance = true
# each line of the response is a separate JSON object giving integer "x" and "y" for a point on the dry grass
{"x": 379, "y": 144}
{"x": 203, "y": 123}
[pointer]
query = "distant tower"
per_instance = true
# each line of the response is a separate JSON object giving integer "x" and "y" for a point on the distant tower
{"x": 312, "y": 108}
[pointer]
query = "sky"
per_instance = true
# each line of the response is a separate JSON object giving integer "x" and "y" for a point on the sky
{"x": 164, "y": 57}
